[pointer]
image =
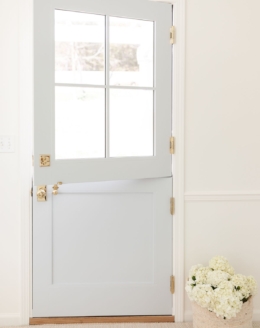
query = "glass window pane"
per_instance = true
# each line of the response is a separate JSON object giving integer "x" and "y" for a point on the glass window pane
{"x": 131, "y": 52}
{"x": 79, "y": 123}
{"x": 131, "y": 123}
{"x": 79, "y": 48}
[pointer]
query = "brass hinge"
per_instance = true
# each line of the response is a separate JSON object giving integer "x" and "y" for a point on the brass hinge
{"x": 172, "y": 206}
{"x": 172, "y": 145}
{"x": 172, "y": 284}
{"x": 32, "y": 191}
{"x": 173, "y": 35}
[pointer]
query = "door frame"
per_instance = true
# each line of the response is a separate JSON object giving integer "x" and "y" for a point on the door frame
{"x": 26, "y": 147}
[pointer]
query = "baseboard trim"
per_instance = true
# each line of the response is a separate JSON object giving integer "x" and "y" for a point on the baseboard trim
{"x": 10, "y": 319}
{"x": 73, "y": 320}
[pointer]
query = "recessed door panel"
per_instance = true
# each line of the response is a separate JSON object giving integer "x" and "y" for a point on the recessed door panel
{"x": 112, "y": 243}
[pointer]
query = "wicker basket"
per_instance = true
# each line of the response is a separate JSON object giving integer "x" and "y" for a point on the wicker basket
{"x": 203, "y": 318}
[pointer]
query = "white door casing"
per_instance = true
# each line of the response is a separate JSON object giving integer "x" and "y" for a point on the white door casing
{"x": 26, "y": 149}
{"x": 101, "y": 169}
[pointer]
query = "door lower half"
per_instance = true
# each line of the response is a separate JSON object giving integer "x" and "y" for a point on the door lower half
{"x": 103, "y": 249}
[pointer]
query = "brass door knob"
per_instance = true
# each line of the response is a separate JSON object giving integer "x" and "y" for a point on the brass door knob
{"x": 56, "y": 188}
{"x": 41, "y": 193}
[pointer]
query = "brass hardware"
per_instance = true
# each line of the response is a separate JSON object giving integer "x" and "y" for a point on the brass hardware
{"x": 173, "y": 35}
{"x": 32, "y": 192}
{"x": 42, "y": 193}
{"x": 172, "y": 284}
{"x": 172, "y": 206}
{"x": 172, "y": 145}
{"x": 45, "y": 160}
{"x": 56, "y": 188}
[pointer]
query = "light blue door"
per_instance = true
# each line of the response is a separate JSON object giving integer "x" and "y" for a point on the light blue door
{"x": 102, "y": 241}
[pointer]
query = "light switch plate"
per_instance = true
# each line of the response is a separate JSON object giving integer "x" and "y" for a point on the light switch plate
{"x": 6, "y": 144}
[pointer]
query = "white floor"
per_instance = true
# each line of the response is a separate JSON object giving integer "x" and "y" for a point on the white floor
{"x": 124, "y": 325}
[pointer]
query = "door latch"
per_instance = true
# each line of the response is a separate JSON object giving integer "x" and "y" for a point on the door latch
{"x": 56, "y": 188}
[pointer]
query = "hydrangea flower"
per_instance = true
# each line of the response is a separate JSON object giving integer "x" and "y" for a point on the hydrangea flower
{"x": 218, "y": 288}
{"x": 214, "y": 278}
{"x": 221, "y": 263}
{"x": 245, "y": 286}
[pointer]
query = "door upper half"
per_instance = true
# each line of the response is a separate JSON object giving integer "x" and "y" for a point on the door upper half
{"x": 102, "y": 90}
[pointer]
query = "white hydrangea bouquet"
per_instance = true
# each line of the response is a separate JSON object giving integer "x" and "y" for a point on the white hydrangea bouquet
{"x": 218, "y": 289}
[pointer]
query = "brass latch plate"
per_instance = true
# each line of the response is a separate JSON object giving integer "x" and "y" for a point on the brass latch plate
{"x": 45, "y": 160}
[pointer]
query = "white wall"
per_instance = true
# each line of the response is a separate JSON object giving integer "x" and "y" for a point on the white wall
{"x": 222, "y": 153}
{"x": 222, "y": 139}
{"x": 9, "y": 166}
